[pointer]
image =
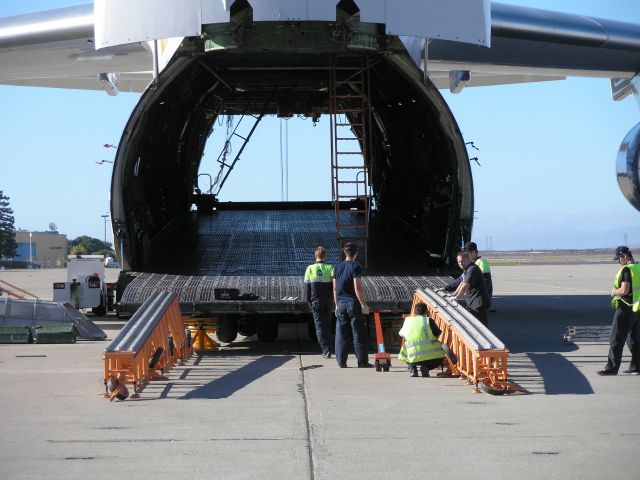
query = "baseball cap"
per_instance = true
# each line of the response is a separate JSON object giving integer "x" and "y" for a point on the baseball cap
{"x": 471, "y": 247}
{"x": 621, "y": 250}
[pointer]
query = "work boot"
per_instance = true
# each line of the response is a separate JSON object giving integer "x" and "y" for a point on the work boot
{"x": 413, "y": 372}
{"x": 424, "y": 371}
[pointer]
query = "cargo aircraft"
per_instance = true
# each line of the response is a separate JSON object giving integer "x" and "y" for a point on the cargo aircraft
{"x": 400, "y": 169}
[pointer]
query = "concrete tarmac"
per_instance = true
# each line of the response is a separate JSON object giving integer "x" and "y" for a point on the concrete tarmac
{"x": 281, "y": 411}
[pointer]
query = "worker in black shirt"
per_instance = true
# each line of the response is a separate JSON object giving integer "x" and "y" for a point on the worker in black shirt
{"x": 483, "y": 264}
{"x": 626, "y": 320}
{"x": 472, "y": 288}
{"x": 351, "y": 307}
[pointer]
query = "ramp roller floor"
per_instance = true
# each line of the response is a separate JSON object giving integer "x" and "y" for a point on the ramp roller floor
{"x": 263, "y": 254}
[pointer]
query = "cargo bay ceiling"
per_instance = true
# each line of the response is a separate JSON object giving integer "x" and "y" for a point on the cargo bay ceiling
{"x": 416, "y": 152}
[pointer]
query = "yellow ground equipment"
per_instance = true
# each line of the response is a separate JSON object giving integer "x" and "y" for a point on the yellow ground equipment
{"x": 201, "y": 329}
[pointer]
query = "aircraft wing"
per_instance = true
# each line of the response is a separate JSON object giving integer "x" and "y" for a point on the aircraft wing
{"x": 529, "y": 44}
{"x": 56, "y": 49}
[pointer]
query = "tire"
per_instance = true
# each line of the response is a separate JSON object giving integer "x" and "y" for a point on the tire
{"x": 486, "y": 386}
{"x": 113, "y": 384}
{"x": 155, "y": 357}
{"x": 227, "y": 330}
{"x": 247, "y": 326}
{"x": 267, "y": 330}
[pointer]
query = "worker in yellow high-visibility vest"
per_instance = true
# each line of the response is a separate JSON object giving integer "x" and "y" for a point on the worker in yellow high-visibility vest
{"x": 626, "y": 319}
{"x": 318, "y": 280}
{"x": 421, "y": 348}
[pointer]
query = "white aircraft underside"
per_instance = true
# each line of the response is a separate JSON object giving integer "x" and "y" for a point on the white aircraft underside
{"x": 57, "y": 48}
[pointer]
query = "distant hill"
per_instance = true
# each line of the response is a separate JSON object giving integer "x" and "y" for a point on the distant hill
{"x": 565, "y": 239}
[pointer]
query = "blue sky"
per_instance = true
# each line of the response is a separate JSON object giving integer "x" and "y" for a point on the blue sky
{"x": 547, "y": 153}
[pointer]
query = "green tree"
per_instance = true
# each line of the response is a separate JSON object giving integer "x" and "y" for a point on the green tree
{"x": 7, "y": 229}
{"x": 77, "y": 250}
{"x": 89, "y": 245}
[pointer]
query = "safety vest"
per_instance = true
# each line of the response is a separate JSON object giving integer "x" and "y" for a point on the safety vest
{"x": 319, "y": 272}
{"x": 318, "y": 279}
{"x": 483, "y": 264}
{"x": 420, "y": 343}
{"x": 634, "y": 268}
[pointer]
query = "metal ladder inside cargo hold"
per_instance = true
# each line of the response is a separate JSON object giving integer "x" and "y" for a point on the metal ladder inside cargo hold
{"x": 349, "y": 90}
{"x": 225, "y": 166}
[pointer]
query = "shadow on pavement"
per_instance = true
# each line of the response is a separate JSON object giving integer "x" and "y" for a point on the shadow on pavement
{"x": 532, "y": 328}
{"x": 237, "y": 379}
{"x": 559, "y": 375}
{"x": 536, "y": 323}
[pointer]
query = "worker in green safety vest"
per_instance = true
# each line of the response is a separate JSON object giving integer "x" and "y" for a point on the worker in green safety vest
{"x": 318, "y": 280}
{"x": 421, "y": 348}
{"x": 626, "y": 319}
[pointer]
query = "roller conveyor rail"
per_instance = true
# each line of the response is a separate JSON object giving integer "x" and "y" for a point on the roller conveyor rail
{"x": 584, "y": 333}
{"x": 153, "y": 340}
{"x": 480, "y": 356}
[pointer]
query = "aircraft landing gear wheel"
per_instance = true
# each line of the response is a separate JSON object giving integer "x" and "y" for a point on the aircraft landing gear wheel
{"x": 227, "y": 330}
{"x": 486, "y": 386}
{"x": 267, "y": 330}
{"x": 247, "y": 326}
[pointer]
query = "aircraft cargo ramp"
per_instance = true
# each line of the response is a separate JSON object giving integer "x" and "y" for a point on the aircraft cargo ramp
{"x": 253, "y": 261}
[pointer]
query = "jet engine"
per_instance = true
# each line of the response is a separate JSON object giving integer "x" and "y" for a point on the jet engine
{"x": 627, "y": 167}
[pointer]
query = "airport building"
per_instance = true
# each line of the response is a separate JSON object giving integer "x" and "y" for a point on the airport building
{"x": 46, "y": 249}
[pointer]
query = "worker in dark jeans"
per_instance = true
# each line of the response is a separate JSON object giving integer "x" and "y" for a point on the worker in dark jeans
{"x": 626, "y": 322}
{"x": 318, "y": 280}
{"x": 351, "y": 307}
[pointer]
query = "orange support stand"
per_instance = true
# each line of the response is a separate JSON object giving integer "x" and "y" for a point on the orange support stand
{"x": 382, "y": 358}
{"x": 152, "y": 341}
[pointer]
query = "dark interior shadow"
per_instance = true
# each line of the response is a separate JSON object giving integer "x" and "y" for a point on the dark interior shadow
{"x": 559, "y": 375}
{"x": 235, "y": 380}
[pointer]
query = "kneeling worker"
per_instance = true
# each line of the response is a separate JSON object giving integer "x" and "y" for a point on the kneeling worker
{"x": 421, "y": 347}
